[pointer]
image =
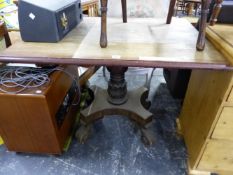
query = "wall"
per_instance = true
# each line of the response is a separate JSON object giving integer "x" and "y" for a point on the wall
{"x": 139, "y": 8}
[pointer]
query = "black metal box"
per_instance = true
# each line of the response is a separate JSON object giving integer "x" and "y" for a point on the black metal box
{"x": 48, "y": 20}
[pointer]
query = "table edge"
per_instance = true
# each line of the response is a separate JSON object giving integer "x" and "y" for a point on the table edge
{"x": 126, "y": 63}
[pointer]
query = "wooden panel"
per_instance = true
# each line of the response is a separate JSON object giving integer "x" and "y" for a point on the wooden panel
{"x": 26, "y": 124}
{"x": 58, "y": 89}
{"x": 87, "y": 75}
{"x": 91, "y": 6}
{"x": 205, "y": 94}
{"x": 230, "y": 98}
{"x": 140, "y": 40}
{"x": 13, "y": 125}
{"x": 221, "y": 35}
{"x": 224, "y": 31}
{"x": 218, "y": 157}
{"x": 224, "y": 127}
{"x": 38, "y": 123}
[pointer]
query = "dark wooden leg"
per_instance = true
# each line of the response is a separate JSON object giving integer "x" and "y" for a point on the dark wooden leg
{"x": 171, "y": 11}
{"x": 4, "y": 32}
{"x": 124, "y": 10}
{"x": 196, "y": 8}
{"x": 202, "y": 25}
{"x": 117, "y": 87}
{"x": 216, "y": 10}
{"x": 103, "y": 35}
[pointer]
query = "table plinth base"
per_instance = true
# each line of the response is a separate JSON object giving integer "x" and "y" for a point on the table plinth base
{"x": 135, "y": 108}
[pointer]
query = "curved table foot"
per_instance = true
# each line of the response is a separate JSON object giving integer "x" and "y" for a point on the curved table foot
{"x": 132, "y": 108}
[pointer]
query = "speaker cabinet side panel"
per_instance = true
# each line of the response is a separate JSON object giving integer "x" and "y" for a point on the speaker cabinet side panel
{"x": 13, "y": 126}
{"x": 39, "y": 123}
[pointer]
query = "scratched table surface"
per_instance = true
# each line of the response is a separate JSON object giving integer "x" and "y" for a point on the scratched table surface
{"x": 140, "y": 42}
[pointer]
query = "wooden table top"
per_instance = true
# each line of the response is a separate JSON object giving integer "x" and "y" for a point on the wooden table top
{"x": 141, "y": 42}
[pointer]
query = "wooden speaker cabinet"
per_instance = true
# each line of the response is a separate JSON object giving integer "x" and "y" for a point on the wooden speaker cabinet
{"x": 40, "y": 120}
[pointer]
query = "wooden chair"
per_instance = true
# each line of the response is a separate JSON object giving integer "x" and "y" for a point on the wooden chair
{"x": 201, "y": 37}
{"x": 90, "y": 8}
{"x": 215, "y": 13}
{"x": 180, "y": 6}
{"x": 16, "y": 2}
{"x": 4, "y": 33}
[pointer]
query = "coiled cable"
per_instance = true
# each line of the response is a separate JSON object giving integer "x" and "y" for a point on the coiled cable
{"x": 14, "y": 80}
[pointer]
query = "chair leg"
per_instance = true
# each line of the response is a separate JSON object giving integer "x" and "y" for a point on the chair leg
{"x": 4, "y": 32}
{"x": 124, "y": 10}
{"x": 196, "y": 8}
{"x": 202, "y": 25}
{"x": 183, "y": 8}
{"x": 103, "y": 35}
{"x": 170, "y": 11}
{"x": 216, "y": 10}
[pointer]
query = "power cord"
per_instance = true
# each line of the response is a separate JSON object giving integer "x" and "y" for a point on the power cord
{"x": 22, "y": 78}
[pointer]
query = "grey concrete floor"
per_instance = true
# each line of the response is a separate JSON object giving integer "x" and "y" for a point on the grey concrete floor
{"x": 114, "y": 148}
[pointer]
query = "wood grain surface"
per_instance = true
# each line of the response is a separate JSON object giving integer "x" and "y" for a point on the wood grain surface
{"x": 218, "y": 157}
{"x": 28, "y": 120}
{"x": 206, "y": 91}
{"x": 224, "y": 127}
{"x": 148, "y": 39}
{"x": 221, "y": 35}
